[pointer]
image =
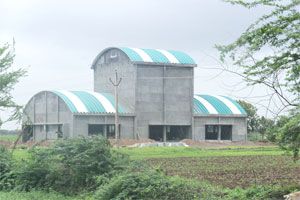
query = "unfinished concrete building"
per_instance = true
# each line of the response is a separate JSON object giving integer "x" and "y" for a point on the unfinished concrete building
{"x": 156, "y": 96}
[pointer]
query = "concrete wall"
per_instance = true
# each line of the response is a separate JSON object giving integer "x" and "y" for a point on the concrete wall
{"x": 157, "y": 94}
{"x": 163, "y": 96}
{"x": 105, "y": 69}
{"x": 81, "y": 122}
{"x": 239, "y": 126}
{"x": 45, "y": 111}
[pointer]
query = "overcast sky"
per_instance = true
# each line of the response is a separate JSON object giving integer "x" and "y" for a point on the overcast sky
{"x": 56, "y": 41}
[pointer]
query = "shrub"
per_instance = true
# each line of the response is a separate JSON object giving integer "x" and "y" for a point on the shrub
{"x": 147, "y": 185}
{"x": 6, "y": 174}
{"x": 260, "y": 192}
{"x": 70, "y": 166}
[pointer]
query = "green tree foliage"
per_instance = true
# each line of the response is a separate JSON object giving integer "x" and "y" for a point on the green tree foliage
{"x": 252, "y": 116}
{"x": 6, "y": 165}
{"x": 264, "y": 126}
{"x": 268, "y": 52}
{"x": 8, "y": 78}
{"x": 289, "y": 137}
{"x": 273, "y": 131}
{"x": 70, "y": 166}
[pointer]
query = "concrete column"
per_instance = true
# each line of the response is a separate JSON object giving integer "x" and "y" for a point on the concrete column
{"x": 46, "y": 112}
{"x": 219, "y": 129}
{"x": 33, "y": 127}
{"x": 105, "y": 131}
{"x": 164, "y": 133}
{"x": 164, "y": 105}
{"x": 219, "y": 132}
{"x": 105, "y": 127}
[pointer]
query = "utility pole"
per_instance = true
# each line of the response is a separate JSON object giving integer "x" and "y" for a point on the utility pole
{"x": 116, "y": 83}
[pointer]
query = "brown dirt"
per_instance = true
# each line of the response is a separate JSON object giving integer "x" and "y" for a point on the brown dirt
{"x": 233, "y": 171}
{"x": 129, "y": 142}
{"x": 223, "y": 144}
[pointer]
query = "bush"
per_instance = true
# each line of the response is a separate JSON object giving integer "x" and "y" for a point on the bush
{"x": 260, "y": 193}
{"x": 147, "y": 185}
{"x": 70, "y": 166}
{"x": 6, "y": 174}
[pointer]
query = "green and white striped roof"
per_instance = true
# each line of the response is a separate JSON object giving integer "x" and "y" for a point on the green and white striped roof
{"x": 89, "y": 102}
{"x": 216, "y": 105}
{"x": 159, "y": 56}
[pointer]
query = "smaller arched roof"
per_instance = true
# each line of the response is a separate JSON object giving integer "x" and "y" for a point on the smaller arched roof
{"x": 216, "y": 105}
{"x": 89, "y": 102}
{"x": 159, "y": 56}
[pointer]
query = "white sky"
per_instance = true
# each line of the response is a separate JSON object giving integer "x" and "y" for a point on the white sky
{"x": 56, "y": 41}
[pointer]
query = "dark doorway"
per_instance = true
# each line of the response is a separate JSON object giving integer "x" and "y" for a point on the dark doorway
{"x": 211, "y": 132}
{"x": 110, "y": 131}
{"x": 106, "y": 130}
{"x": 96, "y": 129}
{"x": 226, "y": 132}
{"x": 27, "y": 133}
{"x": 156, "y": 132}
{"x": 177, "y": 133}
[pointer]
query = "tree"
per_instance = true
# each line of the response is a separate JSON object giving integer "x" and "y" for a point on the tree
{"x": 289, "y": 137}
{"x": 8, "y": 78}
{"x": 268, "y": 52}
{"x": 264, "y": 127}
{"x": 252, "y": 117}
{"x": 273, "y": 131}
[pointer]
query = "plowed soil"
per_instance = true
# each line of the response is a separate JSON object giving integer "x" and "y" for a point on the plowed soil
{"x": 233, "y": 171}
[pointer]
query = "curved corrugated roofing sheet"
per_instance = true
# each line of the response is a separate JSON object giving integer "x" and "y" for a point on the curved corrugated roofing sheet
{"x": 89, "y": 102}
{"x": 153, "y": 56}
{"x": 218, "y": 105}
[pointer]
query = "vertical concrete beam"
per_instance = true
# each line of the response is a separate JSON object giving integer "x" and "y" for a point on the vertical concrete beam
{"x": 105, "y": 127}
{"x": 57, "y": 101}
{"x": 164, "y": 133}
{"x": 164, "y": 91}
{"x": 33, "y": 127}
{"x": 219, "y": 128}
{"x": 246, "y": 135}
{"x": 46, "y": 112}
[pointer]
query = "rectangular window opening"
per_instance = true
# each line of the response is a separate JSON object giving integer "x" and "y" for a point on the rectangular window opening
{"x": 211, "y": 132}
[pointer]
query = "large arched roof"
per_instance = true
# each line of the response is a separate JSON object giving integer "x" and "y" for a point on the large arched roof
{"x": 159, "y": 56}
{"x": 89, "y": 102}
{"x": 216, "y": 105}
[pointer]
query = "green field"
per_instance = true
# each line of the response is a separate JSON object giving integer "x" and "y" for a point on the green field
{"x": 224, "y": 169}
{"x": 8, "y": 138}
{"x": 174, "y": 152}
{"x": 37, "y": 195}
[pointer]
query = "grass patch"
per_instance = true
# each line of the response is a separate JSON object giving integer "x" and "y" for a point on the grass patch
{"x": 8, "y": 138}
{"x": 20, "y": 154}
{"x": 174, "y": 152}
{"x": 37, "y": 195}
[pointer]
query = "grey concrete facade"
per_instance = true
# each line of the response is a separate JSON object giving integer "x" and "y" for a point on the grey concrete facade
{"x": 156, "y": 95}
{"x": 239, "y": 126}
{"x": 48, "y": 114}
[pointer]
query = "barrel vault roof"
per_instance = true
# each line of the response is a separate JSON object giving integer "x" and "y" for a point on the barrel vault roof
{"x": 89, "y": 102}
{"x": 159, "y": 56}
{"x": 216, "y": 105}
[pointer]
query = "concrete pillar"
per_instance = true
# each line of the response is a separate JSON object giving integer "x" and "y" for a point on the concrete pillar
{"x": 164, "y": 133}
{"x": 105, "y": 127}
{"x": 219, "y": 132}
{"x": 105, "y": 131}
{"x": 219, "y": 129}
